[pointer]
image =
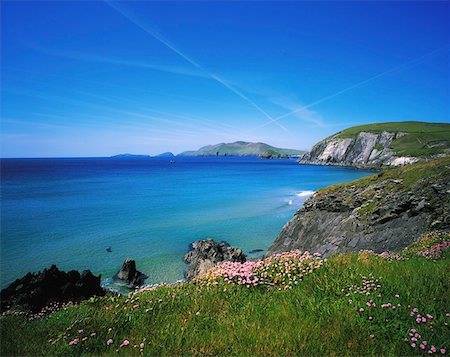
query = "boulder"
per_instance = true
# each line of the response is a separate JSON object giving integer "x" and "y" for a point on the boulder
{"x": 35, "y": 291}
{"x": 128, "y": 273}
{"x": 207, "y": 253}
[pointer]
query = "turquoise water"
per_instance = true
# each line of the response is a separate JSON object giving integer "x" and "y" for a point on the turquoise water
{"x": 69, "y": 211}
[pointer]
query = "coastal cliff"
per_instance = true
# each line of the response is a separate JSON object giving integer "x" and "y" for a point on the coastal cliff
{"x": 385, "y": 211}
{"x": 382, "y": 145}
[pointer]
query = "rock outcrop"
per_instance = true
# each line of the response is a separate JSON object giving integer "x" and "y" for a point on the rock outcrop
{"x": 366, "y": 149}
{"x": 386, "y": 211}
{"x": 35, "y": 291}
{"x": 128, "y": 273}
{"x": 205, "y": 254}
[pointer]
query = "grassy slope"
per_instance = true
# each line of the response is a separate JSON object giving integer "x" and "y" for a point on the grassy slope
{"x": 409, "y": 175}
{"x": 314, "y": 318}
{"x": 423, "y": 139}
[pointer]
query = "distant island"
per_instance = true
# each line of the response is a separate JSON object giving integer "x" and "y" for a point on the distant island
{"x": 129, "y": 156}
{"x": 165, "y": 154}
{"x": 243, "y": 148}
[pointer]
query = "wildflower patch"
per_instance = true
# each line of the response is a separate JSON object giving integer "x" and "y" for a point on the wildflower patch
{"x": 280, "y": 271}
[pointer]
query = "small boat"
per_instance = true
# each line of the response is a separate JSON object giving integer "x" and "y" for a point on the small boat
{"x": 172, "y": 161}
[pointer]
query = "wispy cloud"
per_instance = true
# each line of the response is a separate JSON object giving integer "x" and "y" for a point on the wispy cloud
{"x": 406, "y": 65}
{"x": 152, "y": 32}
{"x": 122, "y": 62}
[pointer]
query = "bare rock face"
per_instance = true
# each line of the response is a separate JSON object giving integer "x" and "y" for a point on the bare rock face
{"x": 128, "y": 273}
{"x": 386, "y": 214}
{"x": 35, "y": 291}
{"x": 364, "y": 150}
{"x": 205, "y": 254}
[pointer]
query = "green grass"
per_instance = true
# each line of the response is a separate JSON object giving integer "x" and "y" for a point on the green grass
{"x": 405, "y": 176}
{"x": 423, "y": 139}
{"x": 314, "y": 318}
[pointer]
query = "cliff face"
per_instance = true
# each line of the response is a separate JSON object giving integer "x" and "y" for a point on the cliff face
{"x": 382, "y": 144}
{"x": 366, "y": 149}
{"x": 385, "y": 211}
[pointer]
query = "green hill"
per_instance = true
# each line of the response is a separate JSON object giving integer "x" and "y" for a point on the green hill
{"x": 241, "y": 148}
{"x": 420, "y": 139}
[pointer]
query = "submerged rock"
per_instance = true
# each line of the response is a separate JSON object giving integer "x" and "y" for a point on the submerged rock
{"x": 128, "y": 273}
{"x": 207, "y": 253}
{"x": 35, "y": 291}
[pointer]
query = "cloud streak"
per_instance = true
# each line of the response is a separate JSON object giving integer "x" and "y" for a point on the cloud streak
{"x": 405, "y": 65}
{"x": 145, "y": 27}
{"x": 122, "y": 62}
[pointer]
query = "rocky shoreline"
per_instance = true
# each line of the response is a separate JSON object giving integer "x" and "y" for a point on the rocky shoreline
{"x": 384, "y": 212}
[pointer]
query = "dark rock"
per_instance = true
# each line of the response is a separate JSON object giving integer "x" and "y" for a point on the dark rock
{"x": 256, "y": 251}
{"x": 205, "y": 254}
{"x": 350, "y": 218}
{"x": 109, "y": 249}
{"x": 128, "y": 273}
{"x": 35, "y": 291}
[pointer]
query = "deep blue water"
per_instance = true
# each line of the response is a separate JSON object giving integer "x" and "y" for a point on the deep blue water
{"x": 68, "y": 211}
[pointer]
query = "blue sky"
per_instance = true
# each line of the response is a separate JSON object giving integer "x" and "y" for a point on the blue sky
{"x": 89, "y": 78}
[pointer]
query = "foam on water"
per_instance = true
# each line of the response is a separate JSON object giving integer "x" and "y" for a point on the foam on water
{"x": 68, "y": 212}
{"x": 305, "y": 193}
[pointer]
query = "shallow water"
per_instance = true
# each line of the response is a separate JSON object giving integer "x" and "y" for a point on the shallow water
{"x": 69, "y": 211}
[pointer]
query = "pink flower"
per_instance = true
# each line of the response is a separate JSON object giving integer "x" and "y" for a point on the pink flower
{"x": 142, "y": 345}
{"x": 125, "y": 343}
{"x": 74, "y": 342}
{"x": 109, "y": 342}
{"x": 424, "y": 319}
{"x": 413, "y": 345}
{"x": 422, "y": 346}
{"x": 443, "y": 351}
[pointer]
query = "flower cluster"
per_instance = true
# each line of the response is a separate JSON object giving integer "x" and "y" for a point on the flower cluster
{"x": 415, "y": 340}
{"x": 431, "y": 245}
{"x": 385, "y": 255}
{"x": 370, "y": 285}
{"x": 281, "y": 271}
{"x": 54, "y": 306}
{"x": 369, "y": 302}
{"x": 435, "y": 251}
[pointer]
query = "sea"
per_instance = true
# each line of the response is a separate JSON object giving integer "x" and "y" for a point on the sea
{"x": 93, "y": 213}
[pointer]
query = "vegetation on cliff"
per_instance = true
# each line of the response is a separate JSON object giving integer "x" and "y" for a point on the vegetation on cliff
{"x": 352, "y": 304}
{"x": 382, "y": 145}
{"x": 385, "y": 211}
{"x": 421, "y": 139}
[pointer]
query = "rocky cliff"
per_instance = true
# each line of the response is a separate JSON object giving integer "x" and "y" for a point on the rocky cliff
{"x": 385, "y": 211}
{"x": 384, "y": 144}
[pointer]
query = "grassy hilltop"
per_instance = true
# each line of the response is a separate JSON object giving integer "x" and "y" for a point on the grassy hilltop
{"x": 422, "y": 139}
